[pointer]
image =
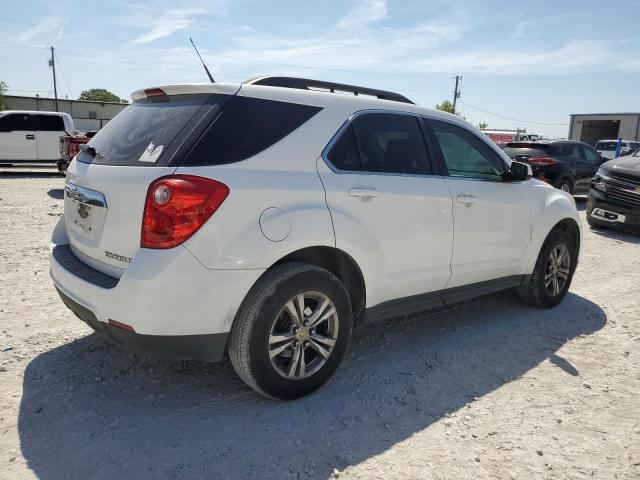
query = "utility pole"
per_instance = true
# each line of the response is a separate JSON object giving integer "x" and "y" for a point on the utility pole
{"x": 456, "y": 92}
{"x": 52, "y": 64}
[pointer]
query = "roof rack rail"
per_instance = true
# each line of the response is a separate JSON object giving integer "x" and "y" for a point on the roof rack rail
{"x": 308, "y": 84}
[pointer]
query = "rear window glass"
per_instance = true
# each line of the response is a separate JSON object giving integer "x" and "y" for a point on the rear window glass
{"x": 538, "y": 151}
{"x": 143, "y": 131}
{"x": 246, "y": 127}
{"x": 606, "y": 146}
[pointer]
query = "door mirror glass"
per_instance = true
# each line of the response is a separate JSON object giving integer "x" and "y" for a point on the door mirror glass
{"x": 520, "y": 171}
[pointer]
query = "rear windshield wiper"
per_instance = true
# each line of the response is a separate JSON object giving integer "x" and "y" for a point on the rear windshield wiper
{"x": 85, "y": 147}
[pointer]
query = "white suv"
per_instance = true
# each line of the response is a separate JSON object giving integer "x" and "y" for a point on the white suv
{"x": 264, "y": 219}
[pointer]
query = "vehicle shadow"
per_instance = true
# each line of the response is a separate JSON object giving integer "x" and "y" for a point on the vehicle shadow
{"x": 30, "y": 173}
{"x": 90, "y": 410}
{"x": 581, "y": 202}
{"x": 614, "y": 234}
{"x": 56, "y": 193}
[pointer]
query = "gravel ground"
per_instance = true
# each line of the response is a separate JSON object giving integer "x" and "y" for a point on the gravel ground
{"x": 490, "y": 389}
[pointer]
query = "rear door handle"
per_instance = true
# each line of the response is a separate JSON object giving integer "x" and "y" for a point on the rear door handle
{"x": 364, "y": 193}
{"x": 30, "y": 137}
{"x": 467, "y": 199}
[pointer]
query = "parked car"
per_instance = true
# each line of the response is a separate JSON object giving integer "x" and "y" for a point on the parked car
{"x": 70, "y": 146}
{"x": 565, "y": 164}
{"x": 32, "y": 137}
{"x": 614, "y": 197}
{"x": 607, "y": 148}
{"x": 264, "y": 218}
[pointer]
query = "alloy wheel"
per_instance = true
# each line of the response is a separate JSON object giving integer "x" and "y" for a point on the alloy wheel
{"x": 557, "y": 270}
{"x": 303, "y": 335}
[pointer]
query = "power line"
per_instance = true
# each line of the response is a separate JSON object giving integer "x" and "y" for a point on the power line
{"x": 511, "y": 118}
{"x": 64, "y": 76}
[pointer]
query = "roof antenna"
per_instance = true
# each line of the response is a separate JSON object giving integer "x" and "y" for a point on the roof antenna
{"x": 203, "y": 64}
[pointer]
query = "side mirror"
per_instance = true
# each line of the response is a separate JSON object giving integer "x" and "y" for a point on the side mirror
{"x": 519, "y": 172}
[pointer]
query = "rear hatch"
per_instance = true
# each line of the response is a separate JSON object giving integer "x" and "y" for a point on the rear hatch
{"x": 106, "y": 186}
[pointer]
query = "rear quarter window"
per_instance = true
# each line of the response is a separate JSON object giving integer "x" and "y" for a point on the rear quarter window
{"x": 246, "y": 127}
{"x": 143, "y": 132}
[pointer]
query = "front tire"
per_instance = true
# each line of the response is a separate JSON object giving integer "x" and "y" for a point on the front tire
{"x": 292, "y": 331}
{"x": 553, "y": 272}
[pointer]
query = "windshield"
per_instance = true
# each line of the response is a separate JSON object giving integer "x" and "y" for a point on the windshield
{"x": 142, "y": 132}
{"x": 606, "y": 146}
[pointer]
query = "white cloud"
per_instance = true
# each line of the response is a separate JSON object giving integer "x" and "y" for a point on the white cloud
{"x": 367, "y": 12}
{"x": 44, "y": 26}
{"x": 168, "y": 22}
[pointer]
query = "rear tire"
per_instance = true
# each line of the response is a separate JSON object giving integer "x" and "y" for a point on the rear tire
{"x": 553, "y": 272}
{"x": 565, "y": 184}
{"x": 271, "y": 347}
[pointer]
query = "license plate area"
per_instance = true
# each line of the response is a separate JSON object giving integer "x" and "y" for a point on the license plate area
{"x": 86, "y": 211}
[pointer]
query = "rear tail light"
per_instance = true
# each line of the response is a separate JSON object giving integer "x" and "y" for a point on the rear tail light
{"x": 74, "y": 148}
{"x": 176, "y": 207}
{"x": 542, "y": 161}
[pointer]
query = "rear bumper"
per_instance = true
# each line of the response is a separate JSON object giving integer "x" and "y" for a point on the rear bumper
{"x": 176, "y": 307}
{"x": 626, "y": 217}
{"x": 206, "y": 347}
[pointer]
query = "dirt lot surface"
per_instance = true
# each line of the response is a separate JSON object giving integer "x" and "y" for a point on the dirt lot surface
{"x": 490, "y": 389}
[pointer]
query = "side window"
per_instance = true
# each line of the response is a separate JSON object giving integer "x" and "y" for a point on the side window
{"x": 344, "y": 153}
{"x": 574, "y": 152}
{"x": 465, "y": 155}
{"x": 391, "y": 143}
{"x": 50, "y": 123}
{"x": 246, "y": 127}
{"x": 15, "y": 122}
{"x": 591, "y": 156}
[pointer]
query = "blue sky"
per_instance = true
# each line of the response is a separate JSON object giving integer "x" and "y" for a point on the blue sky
{"x": 532, "y": 61}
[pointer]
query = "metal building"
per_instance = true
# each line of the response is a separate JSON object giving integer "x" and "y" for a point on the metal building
{"x": 591, "y": 127}
{"x": 87, "y": 116}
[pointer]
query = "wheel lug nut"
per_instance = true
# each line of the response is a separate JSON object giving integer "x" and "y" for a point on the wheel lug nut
{"x": 312, "y": 331}
{"x": 306, "y": 323}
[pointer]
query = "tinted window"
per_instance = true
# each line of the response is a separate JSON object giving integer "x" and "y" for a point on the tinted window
{"x": 50, "y": 123}
{"x": 526, "y": 151}
{"x": 344, "y": 153}
{"x": 391, "y": 143}
{"x": 246, "y": 127}
{"x": 591, "y": 156}
{"x": 141, "y": 132}
{"x": 568, "y": 151}
{"x": 14, "y": 121}
{"x": 465, "y": 154}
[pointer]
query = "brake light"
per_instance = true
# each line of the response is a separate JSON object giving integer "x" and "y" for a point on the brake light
{"x": 176, "y": 207}
{"x": 542, "y": 161}
{"x": 155, "y": 92}
{"x": 74, "y": 148}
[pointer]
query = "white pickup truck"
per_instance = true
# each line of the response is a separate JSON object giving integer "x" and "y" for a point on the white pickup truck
{"x": 32, "y": 137}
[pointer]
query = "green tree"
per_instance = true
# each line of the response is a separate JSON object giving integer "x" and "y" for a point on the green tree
{"x": 446, "y": 106}
{"x": 100, "y": 95}
{"x": 482, "y": 125}
{"x": 3, "y": 88}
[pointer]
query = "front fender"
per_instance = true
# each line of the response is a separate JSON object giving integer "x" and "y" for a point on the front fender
{"x": 553, "y": 207}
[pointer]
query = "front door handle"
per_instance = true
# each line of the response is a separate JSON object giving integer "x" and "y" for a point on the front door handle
{"x": 364, "y": 193}
{"x": 30, "y": 137}
{"x": 467, "y": 199}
